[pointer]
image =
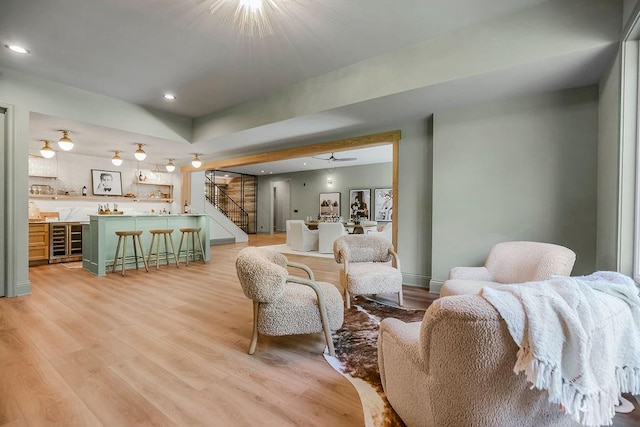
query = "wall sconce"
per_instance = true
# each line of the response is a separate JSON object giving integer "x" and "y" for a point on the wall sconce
{"x": 116, "y": 159}
{"x": 65, "y": 143}
{"x": 170, "y": 166}
{"x": 196, "y": 162}
{"x": 329, "y": 182}
{"x": 46, "y": 151}
{"x": 140, "y": 155}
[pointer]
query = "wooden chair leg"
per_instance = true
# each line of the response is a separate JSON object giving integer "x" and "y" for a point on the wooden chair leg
{"x": 173, "y": 248}
{"x": 254, "y": 337}
{"x": 180, "y": 248}
{"x": 124, "y": 252}
{"x": 166, "y": 249}
{"x": 115, "y": 257}
{"x": 201, "y": 249}
{"x": 135, "y": 250}
{"x": 153, "y": 238}
{"x": 347, "y": 298}
{"x": 144, "y": 260}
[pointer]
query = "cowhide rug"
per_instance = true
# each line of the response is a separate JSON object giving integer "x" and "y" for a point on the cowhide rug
{"x": 357, "y": 356}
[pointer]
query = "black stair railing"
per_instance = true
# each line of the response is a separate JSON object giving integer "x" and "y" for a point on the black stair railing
{"x": 221, "y": 200}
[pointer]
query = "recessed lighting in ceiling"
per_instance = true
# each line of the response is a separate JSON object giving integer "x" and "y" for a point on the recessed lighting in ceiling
{"x": 169, "y": 96}
{"x": 17, "y": 49}
{"x": 261, "y": 171}
{"x": 304, "y": 164}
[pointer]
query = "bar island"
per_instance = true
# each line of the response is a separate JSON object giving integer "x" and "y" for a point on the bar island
{"x": 99, "y": 239}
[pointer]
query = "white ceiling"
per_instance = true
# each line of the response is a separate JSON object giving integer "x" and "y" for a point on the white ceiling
{"x": 136, "y": 50}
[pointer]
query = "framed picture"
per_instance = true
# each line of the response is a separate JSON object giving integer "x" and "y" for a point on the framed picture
{"x": 383, "y": 198}
{"x": 329, "y": 204}
{"x": 106, "y": 183}
{"x": 359, "y": 203}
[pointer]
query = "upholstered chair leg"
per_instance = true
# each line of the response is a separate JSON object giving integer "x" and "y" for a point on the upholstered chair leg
{"x": 347, "y": 298}
{"x": 254, "y": 338}
{"x": 400, "y": 301}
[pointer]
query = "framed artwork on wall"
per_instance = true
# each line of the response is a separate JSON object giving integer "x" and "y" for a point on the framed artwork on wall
{"x": 330, "y": 204}
{"x": 359, "y": 203}
{"x": 383, "y": 199}
{"x": 106, "y": 183}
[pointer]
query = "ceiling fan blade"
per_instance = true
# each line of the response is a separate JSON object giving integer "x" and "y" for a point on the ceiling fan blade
{"x": 344, "y": 159}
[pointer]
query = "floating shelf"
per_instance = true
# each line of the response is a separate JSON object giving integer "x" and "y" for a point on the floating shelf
{"x": 105, "y": 199}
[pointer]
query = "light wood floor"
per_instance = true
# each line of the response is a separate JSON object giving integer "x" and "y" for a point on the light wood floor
{"x": 167, "y": 347}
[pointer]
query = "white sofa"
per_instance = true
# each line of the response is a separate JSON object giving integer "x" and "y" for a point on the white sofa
{"x": 511, "y": 262}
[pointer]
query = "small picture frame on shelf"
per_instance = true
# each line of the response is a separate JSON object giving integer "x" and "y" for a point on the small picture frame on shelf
{"x": 106, "y": 183}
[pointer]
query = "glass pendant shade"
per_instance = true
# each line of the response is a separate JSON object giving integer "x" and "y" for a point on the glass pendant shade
{"x": 140, "y": 155}
{"x": 116, "y": 159}
{"x": 46, "y": 151}
{"x": 196, "y": 163}
{"x": 170, "y": 166}
{"x": 65, "y": 143}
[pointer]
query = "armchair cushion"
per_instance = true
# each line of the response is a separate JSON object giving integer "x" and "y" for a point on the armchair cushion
{"x": 297, "y": 311}
{"x": 471, "y": 273}
{"x": 372, "y": 278}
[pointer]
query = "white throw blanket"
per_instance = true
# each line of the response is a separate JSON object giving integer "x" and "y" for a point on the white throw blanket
{"x": 579, "y": 338}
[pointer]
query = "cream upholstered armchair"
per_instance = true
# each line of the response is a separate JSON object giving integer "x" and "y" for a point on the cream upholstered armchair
{"x": 366, "y": 268}
{"x": 285, "y": 304}
{"x": 455, "y": 368}
{"x": 386, "y": 232}
{"x": 301, "y": 238}
{"x": 288, "y": 228}
{"x": 328, "y": 232}
{"x": 511, "y": 262}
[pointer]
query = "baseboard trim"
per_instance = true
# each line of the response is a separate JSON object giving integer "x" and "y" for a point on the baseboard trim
{"x": 222, "y": 241}
{"x": 415, "y": 280}
{"x": 435, "y": 285}
{"x": 21, "y": 289}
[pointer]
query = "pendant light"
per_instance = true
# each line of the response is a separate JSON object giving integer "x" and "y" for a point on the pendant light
{"x": 170, "y": 166}
{"x": 46, "y": 150}
{"x": 140, "y": 155}
{"x": 196, "y": 163}
{"x": 65, "y": 143}
{"x": 116, "y": 159}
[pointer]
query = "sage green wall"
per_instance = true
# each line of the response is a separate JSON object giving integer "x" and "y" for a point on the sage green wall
{"x": 608, "y": 171}
{"x": 520, "y": 169}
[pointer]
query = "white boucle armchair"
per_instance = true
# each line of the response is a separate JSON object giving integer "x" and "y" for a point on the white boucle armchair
{"x": 455, "y": 368}
{"x": 366, "y": 266}
{"x": 284, "y": 304}
{"x": 508, "y": 263}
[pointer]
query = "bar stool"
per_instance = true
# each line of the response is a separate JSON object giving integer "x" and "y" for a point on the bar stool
{"x": 158, "y": 234}
{"x": 124, "y": 234}
{"x": 191, "y": 232}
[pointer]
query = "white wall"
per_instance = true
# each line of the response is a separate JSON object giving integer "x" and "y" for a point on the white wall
{"x": 520, "y": 169}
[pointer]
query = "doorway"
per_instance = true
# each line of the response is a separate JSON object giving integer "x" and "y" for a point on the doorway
{"x": 281, "y": 205}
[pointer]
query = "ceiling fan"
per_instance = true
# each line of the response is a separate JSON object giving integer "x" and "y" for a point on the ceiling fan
{"x": 333, "y": 158}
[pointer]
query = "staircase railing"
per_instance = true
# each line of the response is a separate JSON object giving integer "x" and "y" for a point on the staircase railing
{"x": 219, "y": 198}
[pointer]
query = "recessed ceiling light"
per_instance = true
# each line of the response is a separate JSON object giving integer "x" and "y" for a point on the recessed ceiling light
{"x": 169, "y": 96}
{"x": 261, "y": 171}
{"x": 226, "y": 175}
{"x": 17, "y": 49}
{"x": 270, "y": 172}
{"x": 304, "y": 164}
